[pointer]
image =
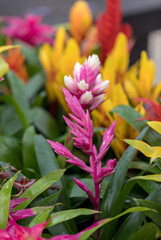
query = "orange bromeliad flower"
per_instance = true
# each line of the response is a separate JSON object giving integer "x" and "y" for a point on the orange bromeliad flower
{"x": 15, "y": 60}
{"x": 80, "y": 20}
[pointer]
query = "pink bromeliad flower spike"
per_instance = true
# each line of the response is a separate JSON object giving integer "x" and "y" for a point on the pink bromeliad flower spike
{"x": 82, "y": 129}
{"x": 87, "y": 85}
{"x": 28, "y": 29}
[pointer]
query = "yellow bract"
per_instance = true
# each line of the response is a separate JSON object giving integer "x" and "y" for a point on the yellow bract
{"x": 81, "y": 19}
{"x": 57, "y": 62}
{"x": 147, "y": 150}
{"x": 125, "y": 84}
{"x": 102, "y": 117}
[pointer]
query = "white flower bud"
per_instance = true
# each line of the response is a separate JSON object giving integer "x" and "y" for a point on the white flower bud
{"x": 69, "y": 82}
{"x": 98, "y": 79}
{"x": 76, "y": 71}
{"x": 102, "y": 87}
{"x": 82, "y": 85}
{"x": 93, "y": 61}
{"x": 86, "y": 97}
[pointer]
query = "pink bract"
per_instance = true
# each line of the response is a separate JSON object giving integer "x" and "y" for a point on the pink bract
{"x": 28, "y": 29}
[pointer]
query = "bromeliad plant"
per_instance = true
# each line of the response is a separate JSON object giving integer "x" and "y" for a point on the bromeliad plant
{"x": 87, "y": 90}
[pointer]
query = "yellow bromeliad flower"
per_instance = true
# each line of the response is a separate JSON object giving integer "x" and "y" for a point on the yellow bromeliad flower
{"x": 57, "y": 62}
{"x": 80, "y": 20}
{"x": 138, "y": 81}
{"x": 124, "y": 85}
{"x": 102, "y": 117}
{"x": 147, "y": 150}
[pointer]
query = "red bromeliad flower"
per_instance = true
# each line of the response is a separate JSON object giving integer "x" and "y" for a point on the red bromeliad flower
{"x": 109, "y": 24}
{"x": 152, "y": 109}
{"x": 23, "y": 184}
{"x": 28, "y": 29}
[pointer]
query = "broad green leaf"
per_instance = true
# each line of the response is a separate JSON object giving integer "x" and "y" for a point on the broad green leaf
{"x": 116, "y": 182}
{"x": 40, "y": 186}
{"x": 22, "y": 116}
{"x": 63, "y": 216}
{"x": 18, "y": 89}
{"x": 101, "y": 223}
{"x": 148, "y": 186}
{"x": 3, "y": 67}
{"x": 46, "y": 158}
{"x": 155, "y": 125}
{"x": 5, "y": 195}
{"x": 30, "y": 54}
{"x": 34, "y": 85}
{"x": 144, "y": 166}
{"x": 147, "y": 231}
{"x": 48, "y": 201}
{"x": 155, "y": 216}
{"x": 10, "y": 151}
{"x": 130, "y": 115}
{"x": 134, "y": 220}
{"x": 42, "y": 216}
{"x": 154, "y": 177}
{"x": 119, "y": 204}
{"x": 28, "y": 146}
{"x": 9, "y": 121}
{"x": 47, "y": 162}
{"x": 45, "y": 123}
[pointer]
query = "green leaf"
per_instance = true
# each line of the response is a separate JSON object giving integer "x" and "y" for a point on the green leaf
{"x": 9, "y": 121}
{"x": 3, "y": 67}
{"x": 18, "y": 89}
{"x": 134, "y": 220}
{"x": 63, "y": 216}
{"x": 42, "y": 216}
{"x": 87, "y": 233}
{"x": 148, "y": 186}
{"x": 22, "y": 116}
{"x": 10, "y": 151}
{"x": 45, "y": 123}
{"x": 155, "y": 216}
{"x": 34, "y": 85}
{"x": 30, "y": 54}
{"x": 40, "y": 186}
{"x": 28, "y": 146}
{"x": 131, "y": 116}
{"x": 48, "y": 201}
{"x": 5, "y": 195}
{"x": 144, "y": 166}
{"x": 116, "y": 182}
{"x": 47, "y": 162}
{"x": 46, "y": 158}
{"x": 154, "y": 177}
{"x": 148, "y": 232}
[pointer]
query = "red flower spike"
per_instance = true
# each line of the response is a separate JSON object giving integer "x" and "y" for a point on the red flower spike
{"x": 109, "y": 24}
{"x": 152, "y": 109}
